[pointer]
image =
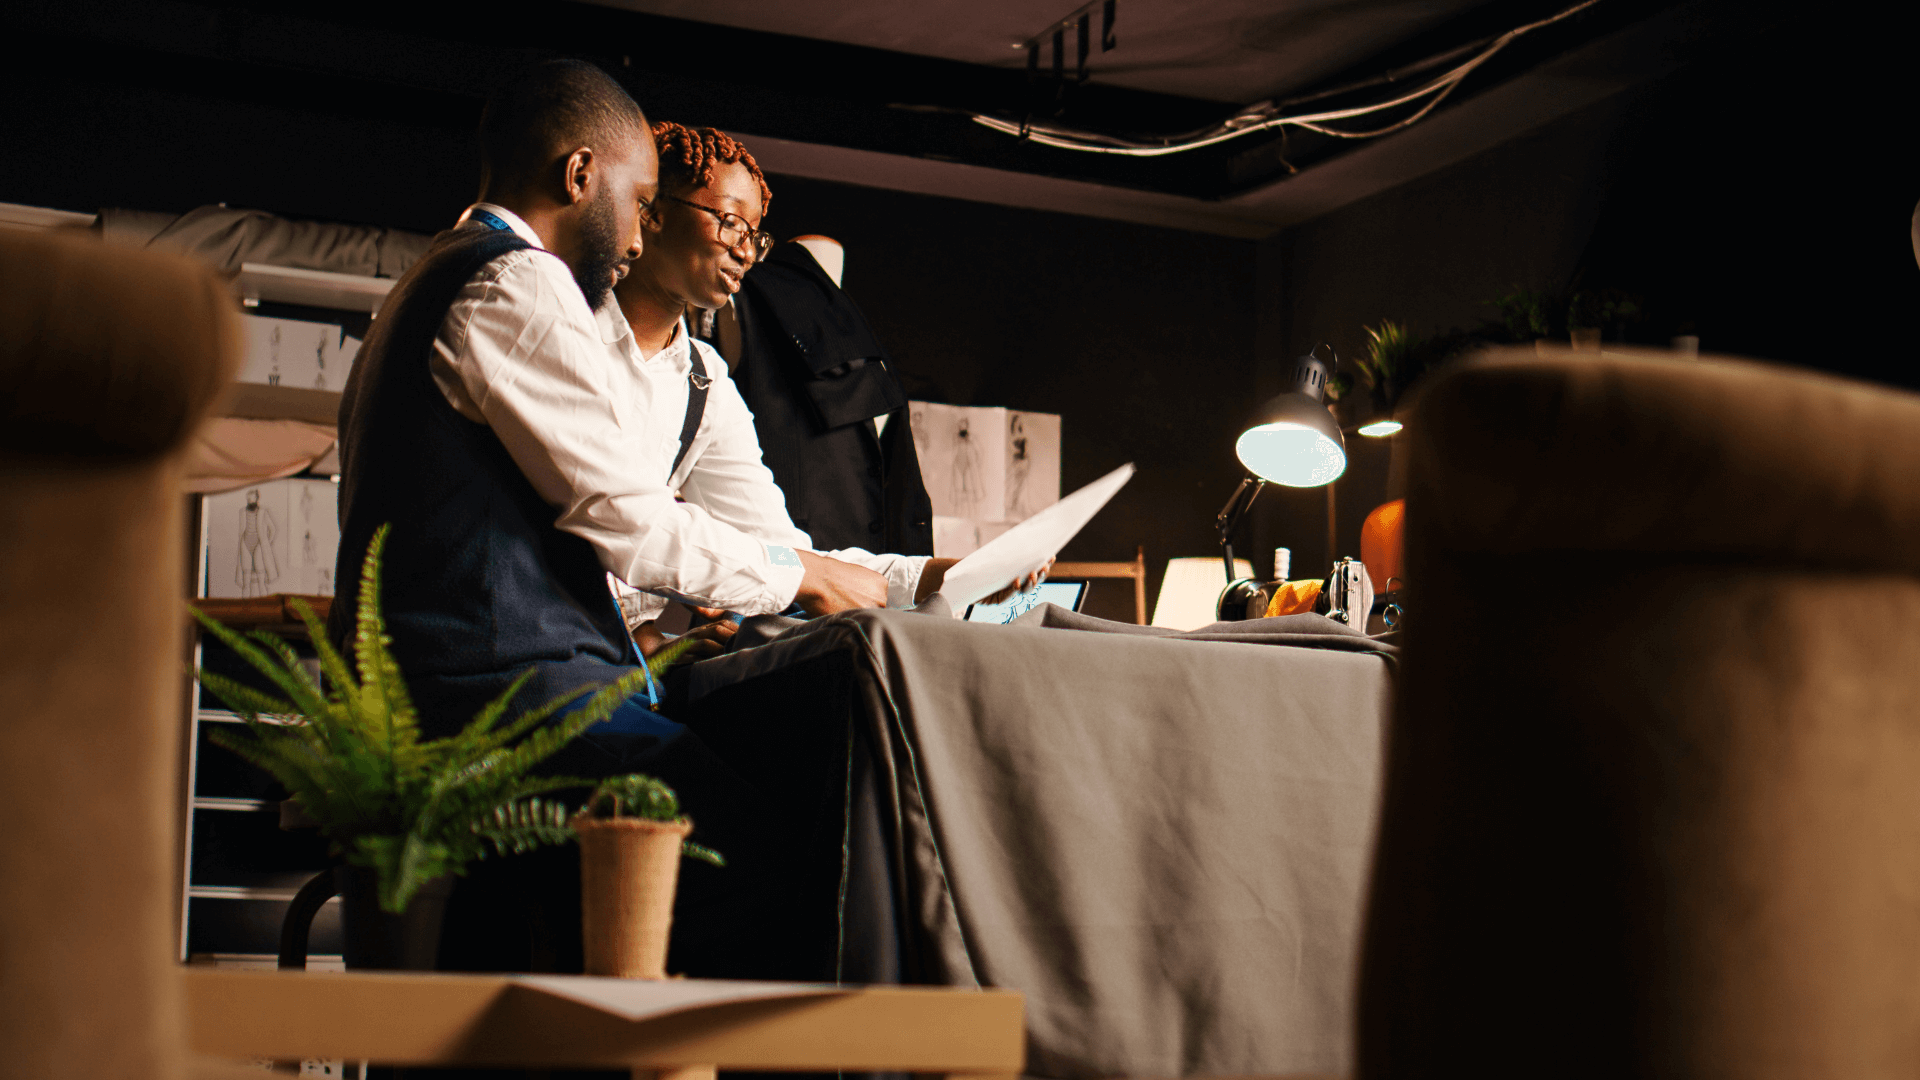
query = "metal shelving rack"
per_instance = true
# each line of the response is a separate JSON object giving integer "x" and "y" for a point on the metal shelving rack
{"x": 238, "y": 869}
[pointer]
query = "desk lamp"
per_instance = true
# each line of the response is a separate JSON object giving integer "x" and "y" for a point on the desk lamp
{"x": 1292, "y": 441}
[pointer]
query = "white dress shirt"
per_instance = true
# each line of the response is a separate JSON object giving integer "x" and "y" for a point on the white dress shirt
{"x": 588, "y": 423}
{"x": 722, "y": 472}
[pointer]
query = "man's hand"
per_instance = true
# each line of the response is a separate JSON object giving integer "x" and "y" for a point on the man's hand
{"x": 831, "y": 585}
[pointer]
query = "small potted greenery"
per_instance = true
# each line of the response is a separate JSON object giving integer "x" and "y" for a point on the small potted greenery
{"x": 404, "y": 814}
{"x": 632, "y": 836}
{"x": 1389, "y": 364}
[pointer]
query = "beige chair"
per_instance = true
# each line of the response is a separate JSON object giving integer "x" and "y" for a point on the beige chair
{"x": 1652, "y": 803}
{"x": 108, "y": 361}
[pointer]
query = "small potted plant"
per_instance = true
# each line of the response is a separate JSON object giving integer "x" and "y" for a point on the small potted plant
{"x": 632, "y": 836}
{"x": 403, "y": 814}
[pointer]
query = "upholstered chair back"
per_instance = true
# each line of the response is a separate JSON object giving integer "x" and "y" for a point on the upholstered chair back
{"x": 109, "y": 359}
{"x": 1652, "y": 803}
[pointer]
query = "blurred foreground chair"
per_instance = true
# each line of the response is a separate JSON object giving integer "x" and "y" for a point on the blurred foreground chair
{"x": 109, "y": 360}
{"x": 1653, "y": 793}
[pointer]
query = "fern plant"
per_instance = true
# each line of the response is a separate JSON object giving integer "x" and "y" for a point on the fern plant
{"x": 1390, "y": 362}
{"x": 644, "y": 797}
{"x": 409, "y": 809}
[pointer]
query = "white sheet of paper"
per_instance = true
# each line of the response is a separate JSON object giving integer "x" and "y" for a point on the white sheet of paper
{"x": 1027, "y": 546}
{"x": 642, "y": 999}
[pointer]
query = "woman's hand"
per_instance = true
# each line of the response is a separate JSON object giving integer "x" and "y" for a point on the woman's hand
{"x": 710, "y": 639}
{"x": 934, "y": 574}
{"x": 1030, "y": 581}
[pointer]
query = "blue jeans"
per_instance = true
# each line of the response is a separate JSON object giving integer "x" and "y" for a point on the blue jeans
{"x": 628, "y": 741}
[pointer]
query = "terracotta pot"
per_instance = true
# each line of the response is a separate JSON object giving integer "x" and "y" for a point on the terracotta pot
{"x": 629, "y": 869}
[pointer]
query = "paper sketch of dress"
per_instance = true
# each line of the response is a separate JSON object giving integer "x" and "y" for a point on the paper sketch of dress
{"x": 320, "y": 361}
{"x": 308, "y": 553}
{"x": 968, "y": 490}
{"x": 257, "y": 569}
{"x": 273, "y": 357}
{"x": 917, "y": 423}
{"x": 1019, "y": 469}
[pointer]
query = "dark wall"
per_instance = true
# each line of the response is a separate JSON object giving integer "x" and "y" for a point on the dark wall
{"x": 1142, "y": 339}
{"x": 1759, "y": 198}
{"x": 120, "y": 128}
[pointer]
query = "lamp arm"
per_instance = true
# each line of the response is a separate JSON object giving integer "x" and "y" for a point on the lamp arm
{"x": 1231, "y": 514}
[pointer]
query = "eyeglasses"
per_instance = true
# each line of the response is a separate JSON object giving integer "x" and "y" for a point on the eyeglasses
{"x": 734, "y": 229}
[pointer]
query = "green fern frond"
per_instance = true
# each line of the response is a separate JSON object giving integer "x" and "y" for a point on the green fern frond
{"x": 634, "y": 795}
{"x": 332, "y": 664}
{"x": 524, "y": 826}
{"x": 410, "y": 809}
{"x": 243, "y": 699}
{"x": 262, "y": 660}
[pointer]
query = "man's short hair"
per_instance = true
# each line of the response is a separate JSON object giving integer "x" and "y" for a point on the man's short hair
{"x": 550, "y": 111}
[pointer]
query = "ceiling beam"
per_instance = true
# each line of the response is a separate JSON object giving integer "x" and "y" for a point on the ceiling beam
{"x": 1621, "y": 61}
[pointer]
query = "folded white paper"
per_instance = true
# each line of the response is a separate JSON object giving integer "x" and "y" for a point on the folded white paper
{"x": 641, "y": 999}
{"x": 1027, "y": 546}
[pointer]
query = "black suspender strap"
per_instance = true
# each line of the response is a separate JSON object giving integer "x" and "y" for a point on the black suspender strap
{"x": 697, "y": 383}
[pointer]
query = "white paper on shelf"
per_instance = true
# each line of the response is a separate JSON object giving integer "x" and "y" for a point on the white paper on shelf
{"x": 642, "y": 999}
{"x": 1027, "y": 546}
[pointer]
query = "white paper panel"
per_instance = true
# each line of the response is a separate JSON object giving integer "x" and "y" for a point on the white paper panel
{"x": 275, "y": 537}
{"x": 294, "y": 352}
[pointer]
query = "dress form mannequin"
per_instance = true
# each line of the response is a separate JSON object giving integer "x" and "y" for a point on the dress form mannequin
{"x": 827, "y": 252}
{"x": 832, "y": 258}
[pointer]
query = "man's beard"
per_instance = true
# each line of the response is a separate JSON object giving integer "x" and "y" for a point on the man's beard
{"x": 600, "y": 253}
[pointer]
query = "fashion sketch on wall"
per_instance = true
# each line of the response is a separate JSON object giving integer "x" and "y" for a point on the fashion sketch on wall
{"x": 294, "y": 352}
{"x": 1033, "y": 463}
{"x": 280, "y": 536}
{"x": 968, "y": 489}
{"x": 255, "y": 569}
{"x": 985, "y": 469}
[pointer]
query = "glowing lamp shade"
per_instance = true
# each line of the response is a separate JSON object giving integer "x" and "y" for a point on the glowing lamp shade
{"x": 1295, "y": 455}
{"x": 1293, "y": 439}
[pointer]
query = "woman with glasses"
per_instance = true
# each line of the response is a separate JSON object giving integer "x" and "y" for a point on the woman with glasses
{"x": 702, "y": 235}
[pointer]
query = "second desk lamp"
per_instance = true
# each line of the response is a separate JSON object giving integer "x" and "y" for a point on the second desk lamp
{"x": 1292, "y": 440}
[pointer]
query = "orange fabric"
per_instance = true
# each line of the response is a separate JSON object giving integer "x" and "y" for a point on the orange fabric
{"x": 1381, "y": 543}
{"x": 1294, "y": 598}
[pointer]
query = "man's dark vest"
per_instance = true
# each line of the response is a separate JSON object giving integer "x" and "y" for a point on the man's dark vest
{"x": 815, "y": 376}
{"x": 478, "y": 584}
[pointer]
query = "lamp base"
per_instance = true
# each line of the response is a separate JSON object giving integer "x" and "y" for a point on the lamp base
{"x": 1243, "y": 598}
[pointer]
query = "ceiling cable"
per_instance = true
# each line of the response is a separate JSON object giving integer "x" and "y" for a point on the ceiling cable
{"x": 1264, "y": 118}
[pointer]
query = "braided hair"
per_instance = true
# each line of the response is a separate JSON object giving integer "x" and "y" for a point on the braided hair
{"x": 688, "y": 155}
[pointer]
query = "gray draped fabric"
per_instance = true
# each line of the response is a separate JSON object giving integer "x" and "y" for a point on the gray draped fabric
{"x": 227, "y": 237}
{"x": 1161, "y": 839}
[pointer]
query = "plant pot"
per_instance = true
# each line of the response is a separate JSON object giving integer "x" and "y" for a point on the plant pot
{"x": 377, "y": 940}
{"x": 629, "y": 869}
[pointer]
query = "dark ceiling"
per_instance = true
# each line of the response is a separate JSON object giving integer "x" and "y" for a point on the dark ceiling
{"x": 436, "y": 65}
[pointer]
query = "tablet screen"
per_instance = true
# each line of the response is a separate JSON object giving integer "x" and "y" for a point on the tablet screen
{"x": 1067, "y": 594}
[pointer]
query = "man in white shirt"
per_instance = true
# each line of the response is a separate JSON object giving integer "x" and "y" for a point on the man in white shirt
{"x": 480, "y": 424}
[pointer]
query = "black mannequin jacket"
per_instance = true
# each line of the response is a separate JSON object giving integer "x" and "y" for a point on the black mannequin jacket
{"x": 815, "y": 377}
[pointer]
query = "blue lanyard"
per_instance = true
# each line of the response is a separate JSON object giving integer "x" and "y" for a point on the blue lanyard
{"x": 488, "y": 218}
